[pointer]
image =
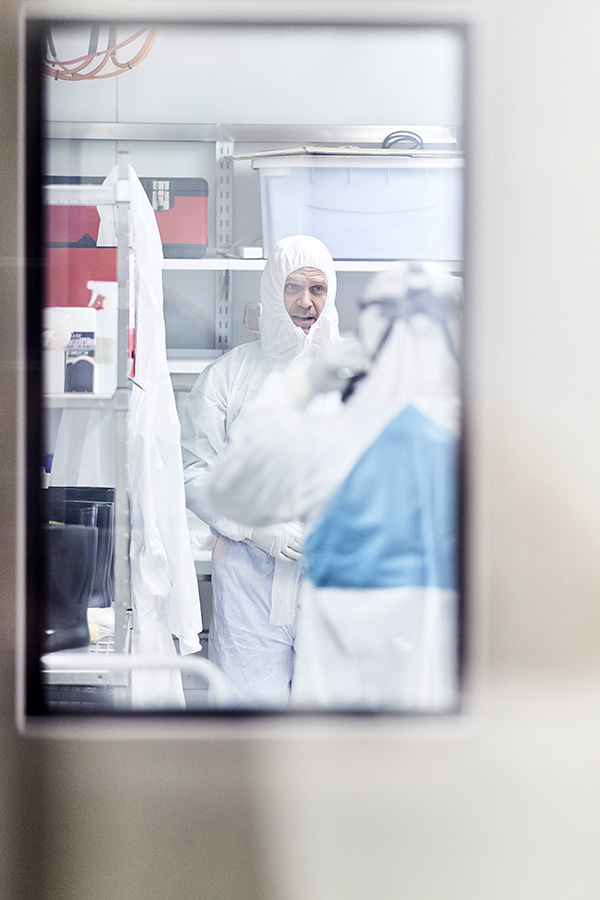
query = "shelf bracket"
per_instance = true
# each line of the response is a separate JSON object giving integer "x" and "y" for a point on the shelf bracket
{"x": 224, "y": 239}
{"x": 224, "y": 194}
{"x": 222, "y": 311}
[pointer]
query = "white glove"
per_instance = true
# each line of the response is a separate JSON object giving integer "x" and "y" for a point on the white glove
{"x": 281, "y": 541}
{"x": 338, "y": 362}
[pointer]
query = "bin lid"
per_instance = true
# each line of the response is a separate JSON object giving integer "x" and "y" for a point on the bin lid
{"x": 312, "y": 155}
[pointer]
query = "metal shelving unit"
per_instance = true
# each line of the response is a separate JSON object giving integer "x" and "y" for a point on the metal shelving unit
{"x": 224, "y": 137}
{"x": 183, "y": 368}
{"x": 57, "y": 670}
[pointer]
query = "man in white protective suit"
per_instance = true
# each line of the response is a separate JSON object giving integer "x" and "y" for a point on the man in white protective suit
{"x": 376, "y": 484}
{"x": 257, "y": 570}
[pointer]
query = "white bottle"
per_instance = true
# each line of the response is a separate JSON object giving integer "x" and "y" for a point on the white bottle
{"x": 58, "y": 326}
{"x": 107, "y": 335}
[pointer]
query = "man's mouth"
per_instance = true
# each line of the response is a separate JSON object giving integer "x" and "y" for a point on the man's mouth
{"x": 304, "y": 321}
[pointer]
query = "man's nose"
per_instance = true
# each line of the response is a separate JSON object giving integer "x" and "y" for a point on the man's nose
{"x": 305, "y": 299}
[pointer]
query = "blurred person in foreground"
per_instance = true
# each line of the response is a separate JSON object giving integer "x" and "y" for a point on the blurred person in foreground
{"x": 376, "y": 486}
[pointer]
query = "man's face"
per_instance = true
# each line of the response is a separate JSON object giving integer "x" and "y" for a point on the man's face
{"x": 304, "y": 296}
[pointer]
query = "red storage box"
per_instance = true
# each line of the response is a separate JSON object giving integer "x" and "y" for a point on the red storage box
{"x": 180, "y": 204}
{"x": 68, "y": 270}
{"x": 72, "y": 226}
{"x": 181, "y": 207}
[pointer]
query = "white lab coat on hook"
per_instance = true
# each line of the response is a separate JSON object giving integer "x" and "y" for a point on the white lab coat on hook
{"x": 163, "y": 579}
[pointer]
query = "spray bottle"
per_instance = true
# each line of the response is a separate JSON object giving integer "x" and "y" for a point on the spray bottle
{"x": 105, "y": 298}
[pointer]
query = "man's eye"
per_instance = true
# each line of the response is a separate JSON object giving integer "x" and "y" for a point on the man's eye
{"x": 318, "y": 288}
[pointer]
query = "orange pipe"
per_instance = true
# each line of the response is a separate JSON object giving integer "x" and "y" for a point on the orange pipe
{"x": 65, "y": 74}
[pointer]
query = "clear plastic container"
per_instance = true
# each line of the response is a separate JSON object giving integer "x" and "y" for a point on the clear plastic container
{"x": 366, "y": 207}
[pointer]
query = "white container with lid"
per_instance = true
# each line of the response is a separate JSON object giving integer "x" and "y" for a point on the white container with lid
{"x": 380, "y": 205}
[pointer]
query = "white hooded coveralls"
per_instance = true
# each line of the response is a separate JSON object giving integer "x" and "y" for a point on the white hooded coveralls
{"x": 251, "y": 592}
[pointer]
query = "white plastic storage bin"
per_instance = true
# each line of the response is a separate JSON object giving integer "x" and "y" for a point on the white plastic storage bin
{"x": 397, "y": 206}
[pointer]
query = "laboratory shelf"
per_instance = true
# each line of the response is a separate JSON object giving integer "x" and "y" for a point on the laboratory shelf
{"x": 188, "y": 366}
{"x": 381, "y": 265}
{"x": 64, "y": 666}
{"x": 434, "y": 136}
{"x": 84, "y": 400}
{"x": 203, "y": 562}
{"x": 58, "y": 669}
{"x": 215, "y": 264}
{"x": 83, "y": 194}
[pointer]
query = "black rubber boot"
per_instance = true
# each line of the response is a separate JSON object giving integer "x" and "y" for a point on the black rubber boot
{"x": 70, "y": 561}
{"x": 57, "y": 499}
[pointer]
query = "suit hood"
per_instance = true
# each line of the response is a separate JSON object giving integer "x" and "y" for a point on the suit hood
{"x": 279, "y": 336}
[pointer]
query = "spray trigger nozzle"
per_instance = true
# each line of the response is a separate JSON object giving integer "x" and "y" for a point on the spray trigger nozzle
{"x": 105, "y": 294}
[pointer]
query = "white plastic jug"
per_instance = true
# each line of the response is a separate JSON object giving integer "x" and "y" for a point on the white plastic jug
{"x": 56, "y": 334}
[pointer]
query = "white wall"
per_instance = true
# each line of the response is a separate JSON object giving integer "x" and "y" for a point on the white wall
{"x": 508, "y": 810}
{"x": 273, "y": 76}
{"x": 203, "y": 77}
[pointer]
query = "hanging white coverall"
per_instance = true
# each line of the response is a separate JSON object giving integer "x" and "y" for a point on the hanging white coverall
{"x": 377, "y": 486}
{"x": 164, "y": 587}
{"x": 254, "y": 594}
